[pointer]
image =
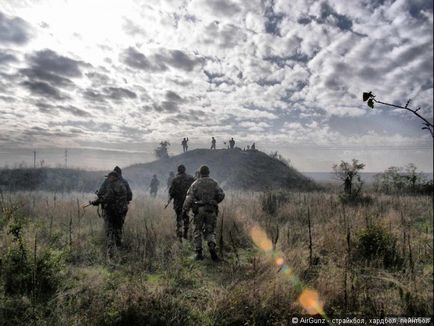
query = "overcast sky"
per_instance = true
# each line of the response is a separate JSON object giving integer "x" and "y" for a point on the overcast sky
{"x": 288, "y": 75}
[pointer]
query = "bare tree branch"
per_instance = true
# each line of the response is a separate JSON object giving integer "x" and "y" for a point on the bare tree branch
{"x": 370, "y": 98}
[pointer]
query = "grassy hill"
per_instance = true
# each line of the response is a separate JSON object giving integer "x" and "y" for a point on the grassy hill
{"x": 234, "y": 169}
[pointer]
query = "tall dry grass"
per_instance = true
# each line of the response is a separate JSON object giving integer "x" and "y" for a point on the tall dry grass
{"x": 155, "y": 280}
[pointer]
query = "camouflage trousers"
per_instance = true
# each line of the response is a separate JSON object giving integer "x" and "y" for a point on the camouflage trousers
{"x": 113, "y": 231}
{"x": 182, "y": 223}
{"x": 204, "y": 225}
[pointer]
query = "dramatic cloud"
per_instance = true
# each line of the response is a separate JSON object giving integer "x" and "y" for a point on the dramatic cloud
{"x": 43, "y": 89}
{"x": 7, "y": 57}
{"x": 286, "y": 74}
{"x": 49, "y": 61}
{"x": 13, "y": 30}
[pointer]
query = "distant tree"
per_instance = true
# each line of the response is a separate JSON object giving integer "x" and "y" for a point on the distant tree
{"x": 401, "y": 180}
{"x": 276, "y": 155}
{"x": 349, "y": 174}
{"x": 162, "y": 151}
{"x": 390, "y": 181}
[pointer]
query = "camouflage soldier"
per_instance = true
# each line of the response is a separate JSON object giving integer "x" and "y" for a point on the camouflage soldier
{"x": 103, "y": 188}
{"x": 170, "y": 179}
{"x": 213, "y": 143}
{"x": 203, "y": 198}
{"x": 154, "y": 186}
{"x": 125, "y": 182}
{"x": 113, "y": 200}
{"x": 177, "y": 192}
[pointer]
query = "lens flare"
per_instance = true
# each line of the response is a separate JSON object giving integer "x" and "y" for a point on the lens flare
{"x": 309, "y": 300}
{"x": 279, "y": 261}
{"x": 260, "y": 238}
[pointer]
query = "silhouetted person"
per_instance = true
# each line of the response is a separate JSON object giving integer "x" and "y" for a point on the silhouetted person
{"x": 112, "y": 196}
{"x": 232, "y": 143}
{"x": 213, "y": 142}
{"x": 154, "y": 186}
{"x": 184, "y": 144}
{"x": 177, "y": 191}
{"x": 253, "y": 147}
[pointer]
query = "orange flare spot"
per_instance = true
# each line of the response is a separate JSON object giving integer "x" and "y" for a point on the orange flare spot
{"x": 279, "y": 261}
{"x": 309, "y": 300}
{"x": 260, "y": 238}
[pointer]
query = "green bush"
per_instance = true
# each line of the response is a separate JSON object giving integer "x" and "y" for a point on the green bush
{"x": 272, "y": 200}
{"x": 375, "y": 244}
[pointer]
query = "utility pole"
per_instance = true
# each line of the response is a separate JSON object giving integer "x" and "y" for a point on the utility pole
{"x": 66, "y": 158}
{"x": 34, "y": 159}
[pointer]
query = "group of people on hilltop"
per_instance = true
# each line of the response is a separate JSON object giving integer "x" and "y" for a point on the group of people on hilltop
{"x": 185, "y": 141}
{"x": 201, "y": 194}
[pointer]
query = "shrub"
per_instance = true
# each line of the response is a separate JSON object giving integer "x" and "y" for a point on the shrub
{"x": 272, "y": 200}
{"x": 375, "y": 244}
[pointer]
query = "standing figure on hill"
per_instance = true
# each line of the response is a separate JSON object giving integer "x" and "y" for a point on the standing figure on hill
{"x": 177, "y": 191}
{"x": 154, "y": 186}
{"x": 213, "y": 142}
{"x": 184, "y": 144}
{"x": 170, "y": 179}
{"x": 203, "y": 198}
{"x": 232, "y": 143}
{"x": 253, "y": 147}
{"x": 114, "y": 203}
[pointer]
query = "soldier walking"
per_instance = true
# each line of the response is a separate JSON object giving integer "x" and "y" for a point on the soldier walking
{"x": 213, "y": 143}
{"x": 203, "y": 198}
{"x": 114, "y": 204}
{"x": 118, "y": 170}
{"x": 178, "y": 190}
{"x": 154, "y": 186}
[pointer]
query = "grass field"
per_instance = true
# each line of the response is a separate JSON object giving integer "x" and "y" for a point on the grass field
{"x": 284, "y": 254}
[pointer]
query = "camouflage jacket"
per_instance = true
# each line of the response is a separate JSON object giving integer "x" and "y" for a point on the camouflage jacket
{"x": 104, "y": 185}
{"x": 179, "y": 187}
{"x": 204, "y": 191}
{"x": 114, "y": 197}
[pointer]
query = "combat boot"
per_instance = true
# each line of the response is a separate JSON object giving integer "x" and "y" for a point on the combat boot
{"x": 199, "y": 255}
{"x": 213, "y": 252}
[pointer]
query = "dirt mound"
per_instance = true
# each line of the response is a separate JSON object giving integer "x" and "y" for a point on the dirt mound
{"x": 234, "y": 169}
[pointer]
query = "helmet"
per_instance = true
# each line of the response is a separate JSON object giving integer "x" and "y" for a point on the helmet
{"x": 118, "y": 170}
{"x": 181, "y": 168}
{"x": 204, "y": 171}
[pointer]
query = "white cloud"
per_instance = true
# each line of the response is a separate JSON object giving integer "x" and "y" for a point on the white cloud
{"x": 282, "y": 69}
